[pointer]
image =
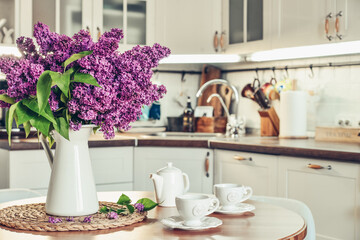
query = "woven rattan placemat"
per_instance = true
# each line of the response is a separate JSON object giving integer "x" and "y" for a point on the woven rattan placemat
{"x": 33, "y": 217}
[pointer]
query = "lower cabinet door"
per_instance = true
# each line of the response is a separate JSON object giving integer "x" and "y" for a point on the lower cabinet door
{"x": 112, "y": 165}
{"x": 258, "y": 171}
{"x": 331, "y": 192}
{"x": 191, "y": 161}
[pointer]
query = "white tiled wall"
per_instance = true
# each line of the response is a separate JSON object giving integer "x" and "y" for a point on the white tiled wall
{"x": 337, "y": 90}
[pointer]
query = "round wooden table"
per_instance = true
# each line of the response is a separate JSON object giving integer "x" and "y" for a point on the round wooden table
{"x": 265, "y": 222}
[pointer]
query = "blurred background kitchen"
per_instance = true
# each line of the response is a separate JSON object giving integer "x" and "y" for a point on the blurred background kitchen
{"x": 239, "y": 27}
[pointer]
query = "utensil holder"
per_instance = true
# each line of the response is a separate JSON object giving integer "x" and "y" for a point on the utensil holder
{"x": 269, "y": 122}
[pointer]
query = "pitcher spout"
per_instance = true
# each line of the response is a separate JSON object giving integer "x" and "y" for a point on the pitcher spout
{"x": 47, "y": 149}
{"x": 158, "y": 183}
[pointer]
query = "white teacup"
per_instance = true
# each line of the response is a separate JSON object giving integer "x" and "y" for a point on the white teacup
{"x": 193, "y": 207}
{"x": 231, "y": 194}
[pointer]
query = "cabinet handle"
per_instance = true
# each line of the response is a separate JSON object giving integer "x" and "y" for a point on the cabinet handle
{"x": 337, "y": 25}
{"x": 327, "y": 25}
{"x": 315, "y": 166}
{"x": 98, "y": 33}
{"x": 240, "y": 158}
{"x": 88, "y": 29}
{"x": 216, "y": 42}
{"x": 222, "y": 41}
{"x": 207, "y": 164}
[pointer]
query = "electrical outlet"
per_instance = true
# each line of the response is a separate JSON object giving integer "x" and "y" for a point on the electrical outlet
{"x": 340, "y": 120}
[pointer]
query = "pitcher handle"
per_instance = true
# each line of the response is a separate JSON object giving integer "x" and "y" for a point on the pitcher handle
{"x": 186, "y": 182}
{"x": 47, "y": 149}
{"x": 249, "y": 192}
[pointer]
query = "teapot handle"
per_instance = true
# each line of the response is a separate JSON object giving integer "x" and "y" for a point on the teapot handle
{"x": 186, "y": 182}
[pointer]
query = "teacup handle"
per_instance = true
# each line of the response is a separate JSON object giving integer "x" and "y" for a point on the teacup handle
{"x": 214, "y": 205}
{"x": 186, "y": 182}
{"x": 248, "y": 191}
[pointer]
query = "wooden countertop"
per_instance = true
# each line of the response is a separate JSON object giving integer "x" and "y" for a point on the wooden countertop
{"x": 265, "y": 222}
{"x": 267, "y": 145}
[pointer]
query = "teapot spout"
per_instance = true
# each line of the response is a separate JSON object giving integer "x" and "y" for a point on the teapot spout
{"x": 158, "y": 183}
{"x": 47, "y": 149}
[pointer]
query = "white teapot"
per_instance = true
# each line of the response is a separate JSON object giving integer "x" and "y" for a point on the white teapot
{"x": 169, "y": 182}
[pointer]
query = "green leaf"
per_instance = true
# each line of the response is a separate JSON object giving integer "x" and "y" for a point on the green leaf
{"x": 32, "y": 104}
{"x": 130, "y": 208}
{"x": 24, "y": 114}
{"x": 120, "y": 211}
{"x": 124, "y": 200}
{"x": 95, "y": 129}
{"x": 62, "y": 127}
{"x": 27, "y": 127}
{"x": 41, "y": 124}
{"x": 5, "y": 98}
{"x": 85, "y": 78}
{"x": 62, "y": 81}
{"x": 63, "y": 98}
{"x": 9, "y": 120}
{"x": 43, "y": 89}
{"x": 75, "y": 57}
{"x": 104, "y": 209}
{"x": 148, "y": 203}
{"x": 50, "y": 140}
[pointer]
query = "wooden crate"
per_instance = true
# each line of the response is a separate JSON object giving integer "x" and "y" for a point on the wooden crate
{"x": 337, "y": 134}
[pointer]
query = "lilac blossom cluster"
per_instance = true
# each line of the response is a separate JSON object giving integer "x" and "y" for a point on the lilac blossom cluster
{"x": 124, "y": 77}
{"x": 54, "y": 220}
{"x": 139, "y": 206}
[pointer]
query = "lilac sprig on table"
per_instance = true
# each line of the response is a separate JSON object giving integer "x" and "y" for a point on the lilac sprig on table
{"x": 87, "y": 219}
{"x": 70, "y": 81}
{"x": 142, "y": 205}
{"x": 55, "y": 220}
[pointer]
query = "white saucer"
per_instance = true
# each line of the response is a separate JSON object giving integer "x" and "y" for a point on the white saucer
{"x": 177, "y": 222}
{"x": 239, "y": 209}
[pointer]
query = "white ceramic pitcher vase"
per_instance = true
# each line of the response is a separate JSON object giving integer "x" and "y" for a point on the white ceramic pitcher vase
{"x": 72, "y": 189}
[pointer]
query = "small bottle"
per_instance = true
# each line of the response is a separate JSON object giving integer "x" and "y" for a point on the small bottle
{"x": 188, "y": 117}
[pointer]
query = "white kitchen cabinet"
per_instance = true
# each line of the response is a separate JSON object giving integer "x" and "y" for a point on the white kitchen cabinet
{"x": 259, "y": 171}
{"x": 332, "y": 194}
{"x": 187, "y": 26}
{"x": 191, "y": 161}
{"x": 135, "y": 17}
{"x": 9, "y": 12}
{"x": 299, "y": 23}
{"x": 112, "y": 166}
{"x": 112, "y": 169}
{"x": 246, "y": 25}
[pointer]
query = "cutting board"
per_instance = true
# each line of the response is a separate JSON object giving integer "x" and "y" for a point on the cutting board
{"x": 209, "y": 73}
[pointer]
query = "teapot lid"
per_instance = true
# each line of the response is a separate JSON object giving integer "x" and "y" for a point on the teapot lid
{"x": 169, "y": 169}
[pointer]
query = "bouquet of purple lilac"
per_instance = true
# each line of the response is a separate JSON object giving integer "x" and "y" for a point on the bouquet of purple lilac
{"x": 68, "y": 82}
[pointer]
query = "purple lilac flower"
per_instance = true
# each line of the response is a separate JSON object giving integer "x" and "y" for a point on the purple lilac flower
{"x": 124, "y": 77}
{"x": 139, "y": 207}
{"x": 87, "y": 219}
{"x": 112, "y": 215}
{"x": 69, "y": 219}
{"x": 54, "y": 220}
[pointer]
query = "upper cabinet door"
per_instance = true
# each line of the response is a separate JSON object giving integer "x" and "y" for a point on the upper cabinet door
{"x": 347, "y": 20}
{"x": 9, "y": 21}
{"x": 308, "y": 22}
{"x": 246, "y": 25}
{"x": 188, "y": 26}
{"x": 298, "y": 23}
{"x": 64, "y": 17}
{"x": 134, "y": 17}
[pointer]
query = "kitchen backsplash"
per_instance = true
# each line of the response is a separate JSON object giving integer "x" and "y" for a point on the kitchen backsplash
{"x": 335, "y": 90}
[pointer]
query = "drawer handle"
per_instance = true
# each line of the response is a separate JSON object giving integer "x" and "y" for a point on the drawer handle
{"x": 207, "y": 164}
{"x": 315, "y": 166}
{"x": 240, "y": 158}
